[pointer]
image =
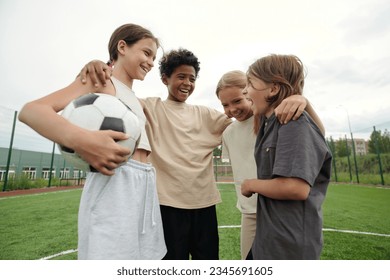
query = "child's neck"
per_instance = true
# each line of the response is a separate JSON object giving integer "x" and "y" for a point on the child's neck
{"x": 123, "y": 77}
{"x": 269, "y": 113}
{"x": 170, "y": 98}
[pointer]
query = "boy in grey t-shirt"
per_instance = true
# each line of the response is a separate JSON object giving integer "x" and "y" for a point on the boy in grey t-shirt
{"x": 293, "y": 166}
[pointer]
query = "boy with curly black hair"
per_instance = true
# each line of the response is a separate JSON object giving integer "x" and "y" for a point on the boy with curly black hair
{"x": 183, "y": 138}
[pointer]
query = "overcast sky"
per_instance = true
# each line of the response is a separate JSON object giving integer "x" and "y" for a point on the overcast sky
{"x": 344, "y": 45}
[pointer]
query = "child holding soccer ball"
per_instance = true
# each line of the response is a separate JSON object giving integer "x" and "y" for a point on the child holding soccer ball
{"x": 119, "y": 215}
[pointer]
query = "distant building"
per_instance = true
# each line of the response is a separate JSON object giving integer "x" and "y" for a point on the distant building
{"x": 361, "y": 146}
{"x": 36, "y": 165}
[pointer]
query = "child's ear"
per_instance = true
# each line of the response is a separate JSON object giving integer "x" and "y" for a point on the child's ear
{"x": 275, "y": 89}
{"x": 121, "y": 47}
{"x": 164, "y": 79}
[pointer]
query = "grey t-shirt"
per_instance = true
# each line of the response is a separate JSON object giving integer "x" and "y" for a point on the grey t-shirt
{"x": 291, "y": 229}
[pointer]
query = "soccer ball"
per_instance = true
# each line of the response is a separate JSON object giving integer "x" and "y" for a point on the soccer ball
{"x": 97, "y": 111}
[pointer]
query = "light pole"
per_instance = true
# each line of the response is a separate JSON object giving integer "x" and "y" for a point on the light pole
{"x": 353, "y": 144}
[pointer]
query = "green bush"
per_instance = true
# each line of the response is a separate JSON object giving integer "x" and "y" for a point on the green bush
{"x": 20, "y": 183}
{"x": 23, "y": 183}
{"x": 40, "y": 183}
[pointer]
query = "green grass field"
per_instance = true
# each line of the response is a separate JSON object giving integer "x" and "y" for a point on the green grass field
{"x": 356, "y": 224}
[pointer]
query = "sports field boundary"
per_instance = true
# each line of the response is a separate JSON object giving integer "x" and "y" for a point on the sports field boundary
{"x": 238, "y": 226}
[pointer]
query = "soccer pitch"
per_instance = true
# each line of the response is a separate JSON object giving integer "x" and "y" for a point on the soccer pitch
{"x": 356, "y": 224}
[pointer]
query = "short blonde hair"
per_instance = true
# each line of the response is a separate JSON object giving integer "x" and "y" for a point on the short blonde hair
{"x": 235, "y": 78}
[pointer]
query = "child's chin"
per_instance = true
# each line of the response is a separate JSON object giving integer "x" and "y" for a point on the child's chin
{"x": 183, "y": 97}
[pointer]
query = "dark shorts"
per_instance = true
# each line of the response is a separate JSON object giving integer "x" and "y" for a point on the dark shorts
{"x": 190, "y": 232}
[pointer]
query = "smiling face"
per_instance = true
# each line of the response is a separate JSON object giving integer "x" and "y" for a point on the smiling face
{"x": 235, "y": 103}
{"x": 139, "y": 58}
{"x": 181, "y": 83}
{"x": 259, "y": 92}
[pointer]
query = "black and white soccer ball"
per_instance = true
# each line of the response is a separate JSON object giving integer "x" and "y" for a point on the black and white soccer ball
{"x": 97, "y": 111}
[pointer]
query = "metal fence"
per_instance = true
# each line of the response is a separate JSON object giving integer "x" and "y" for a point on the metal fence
{"x": 358, "y": 166}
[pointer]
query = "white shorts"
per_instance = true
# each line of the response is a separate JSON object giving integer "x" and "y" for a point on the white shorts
{"x": 119, "y": 215}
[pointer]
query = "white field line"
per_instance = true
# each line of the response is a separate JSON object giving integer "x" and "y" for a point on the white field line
{"x": 356, "y": 232}
{"x": 238, "y": 226}
{"x": 37, "y": 194}
{"x": 59, "y": 254}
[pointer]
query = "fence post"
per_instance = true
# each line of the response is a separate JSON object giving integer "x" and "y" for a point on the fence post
{"x": 216, "y": 168}
{"x": 51, "y": 165}
{"x": 379, "y": 156}
{"x": 354, "y": 157}
{"x": 349, "y": 161}
{"x": 332, "y": 148}
{"x": 10, "y": 152}
{"x": 78, "y": 178}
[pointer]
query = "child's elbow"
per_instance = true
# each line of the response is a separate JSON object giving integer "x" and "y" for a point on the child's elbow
{"x": 300, "y": 191}
{"x": 303, "y": 195}
{"x": 24, "y": 112}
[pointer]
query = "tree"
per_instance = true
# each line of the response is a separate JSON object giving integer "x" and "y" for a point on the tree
{"x": 382, "y": 140}
{"x": 341, "y": 148}
{"x": 386, "y": 141}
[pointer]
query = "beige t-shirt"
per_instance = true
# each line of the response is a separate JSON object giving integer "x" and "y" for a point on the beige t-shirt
{"x": 238, "y": 145}
{"x": 183, "y": 138}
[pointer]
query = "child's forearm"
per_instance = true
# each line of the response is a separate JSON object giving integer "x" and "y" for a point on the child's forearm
{"x": 280, "y": 188}
{"x": 47, "y": 123}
